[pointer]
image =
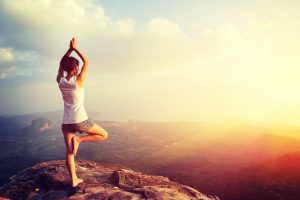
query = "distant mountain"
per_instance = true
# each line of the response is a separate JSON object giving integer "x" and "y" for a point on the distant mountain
{"x": 188, "y": 152}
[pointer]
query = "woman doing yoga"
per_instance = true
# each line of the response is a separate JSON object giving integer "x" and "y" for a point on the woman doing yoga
{"x": 75, "y": 118}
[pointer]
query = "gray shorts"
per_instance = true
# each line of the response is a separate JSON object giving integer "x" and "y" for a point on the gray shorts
{"x": 78, "y": 127}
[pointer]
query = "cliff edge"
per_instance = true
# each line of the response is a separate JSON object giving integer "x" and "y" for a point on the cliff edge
{"x": 50, "y": 180}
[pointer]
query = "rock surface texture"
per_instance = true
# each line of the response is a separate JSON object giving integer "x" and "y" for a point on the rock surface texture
{"x": 51, "y": 181}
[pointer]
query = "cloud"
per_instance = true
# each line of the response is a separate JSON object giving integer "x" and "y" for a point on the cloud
{"x": 125, "y": 26}
{"x": 256, "y": 27}
{"x": 10, "y": 57}
{"x": 113, "y": 46}
{"x": 6, "y": 71}
{"x": 163, "y": 26}
{"x": 63, "y": 14}
{"x": 2, "y": 75}
{"x": 6, "y": 54}
{"x": 10, "y": 69}
{"x": 223, "y": 64}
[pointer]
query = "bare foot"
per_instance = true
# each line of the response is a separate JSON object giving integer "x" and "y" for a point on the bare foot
{"x": 75, "y": 144}
{"x": 76, "y": 182}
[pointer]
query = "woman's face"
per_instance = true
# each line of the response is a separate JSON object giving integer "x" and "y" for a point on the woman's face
{"x": 75, "y": 71}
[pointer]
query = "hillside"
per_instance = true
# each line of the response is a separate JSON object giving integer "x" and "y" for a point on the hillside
{"x": 51, "y": 181}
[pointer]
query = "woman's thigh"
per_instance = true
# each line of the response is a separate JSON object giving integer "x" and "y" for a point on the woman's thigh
{"x": 97, "y": 130}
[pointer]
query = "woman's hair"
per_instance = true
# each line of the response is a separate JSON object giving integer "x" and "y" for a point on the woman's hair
{"x": 69, "y": 63}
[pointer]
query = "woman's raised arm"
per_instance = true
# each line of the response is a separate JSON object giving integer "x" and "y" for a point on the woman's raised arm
{"x": 81, "y": 76}
{"x": 60, "y": 70}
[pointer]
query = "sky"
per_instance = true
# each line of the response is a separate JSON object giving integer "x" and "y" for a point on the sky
{"x": 169, "y": 60}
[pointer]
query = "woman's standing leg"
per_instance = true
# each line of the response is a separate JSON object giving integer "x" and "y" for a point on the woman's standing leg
{"x": 70, "y": 158}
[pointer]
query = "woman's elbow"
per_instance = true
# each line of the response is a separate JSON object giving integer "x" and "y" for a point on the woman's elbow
{"x": 86, "y": 62}
{"x": 58, "y": 78}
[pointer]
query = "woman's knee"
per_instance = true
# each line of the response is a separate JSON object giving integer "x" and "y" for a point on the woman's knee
{"x": 68, "y": 141}
{"x": 103, "y": 134}
{"x": 98, "y": 130}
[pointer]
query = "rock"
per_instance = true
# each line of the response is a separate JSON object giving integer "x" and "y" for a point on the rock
{"x": 51, "y": 181}
{"x": 40, "y": 124}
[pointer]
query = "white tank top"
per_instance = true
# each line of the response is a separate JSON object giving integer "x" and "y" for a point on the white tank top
{"x": 73, "y": 96}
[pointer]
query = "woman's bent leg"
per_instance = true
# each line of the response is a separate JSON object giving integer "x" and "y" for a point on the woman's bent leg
{"x": 96, "y": 134}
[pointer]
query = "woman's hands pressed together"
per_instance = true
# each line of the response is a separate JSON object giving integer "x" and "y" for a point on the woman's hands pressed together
{"x": 73, "y": 44}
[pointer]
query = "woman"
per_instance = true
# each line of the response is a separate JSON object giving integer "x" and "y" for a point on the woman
{"x": 75, "y": 118}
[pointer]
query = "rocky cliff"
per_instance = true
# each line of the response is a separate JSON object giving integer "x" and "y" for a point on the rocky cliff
{"x": 50, "y": 180}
